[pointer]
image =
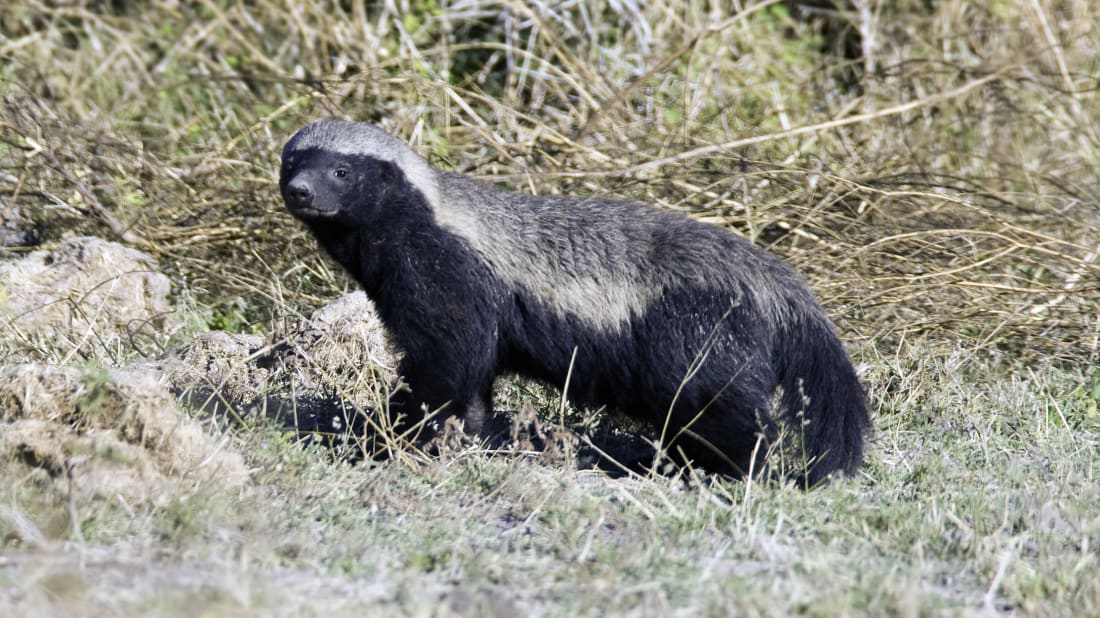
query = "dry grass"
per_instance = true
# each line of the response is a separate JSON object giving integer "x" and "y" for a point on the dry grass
{"x": 947, "y": 195}
{"x": 933, "y": 169}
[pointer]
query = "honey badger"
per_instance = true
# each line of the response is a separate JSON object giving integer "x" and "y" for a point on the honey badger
{"x": 660, "y": 316}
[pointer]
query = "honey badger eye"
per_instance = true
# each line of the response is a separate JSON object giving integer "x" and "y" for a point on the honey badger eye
{"x": 340, "y": 172}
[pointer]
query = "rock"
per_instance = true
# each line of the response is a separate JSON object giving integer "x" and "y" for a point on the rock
{"x": 15, "y": 229}
{"x": 319, "y": 377}
{"x": 108, "y": 433}
{"x": 341, "y": 344}
{"x": 217, "y": 372}
{"x": 340, "y": 348}
{"x": 86, "y": 296}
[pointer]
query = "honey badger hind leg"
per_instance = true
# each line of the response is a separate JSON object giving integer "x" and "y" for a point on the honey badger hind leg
{"x": 727, "y": 434}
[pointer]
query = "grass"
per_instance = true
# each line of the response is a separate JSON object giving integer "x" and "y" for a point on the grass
{"x": 934, "y": 171}
{"x": 953, "y": 514}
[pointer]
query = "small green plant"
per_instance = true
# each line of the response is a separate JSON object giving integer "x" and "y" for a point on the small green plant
{"x": 95, "y": 392}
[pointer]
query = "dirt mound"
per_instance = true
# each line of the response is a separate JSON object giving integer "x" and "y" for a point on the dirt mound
{"x": 86, "y": 295}
{"x": 108, "y": 433}
{"x": 217, "y": 372}
{"x": 341, "y": 343}
{"x": 324, "y": 365}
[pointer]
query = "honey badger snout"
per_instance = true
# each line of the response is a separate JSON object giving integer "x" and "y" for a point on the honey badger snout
{"x": 299, "y": 193}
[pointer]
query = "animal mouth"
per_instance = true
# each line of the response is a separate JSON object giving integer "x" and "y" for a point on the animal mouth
{"x": 310, "y": 212}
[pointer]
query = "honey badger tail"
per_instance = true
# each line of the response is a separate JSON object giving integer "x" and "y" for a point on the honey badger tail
{"x": 823, "y": 400}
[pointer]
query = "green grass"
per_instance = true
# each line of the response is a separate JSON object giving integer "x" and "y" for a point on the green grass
{"x": 989, "y": 505}
{"x": 939, "y": 188}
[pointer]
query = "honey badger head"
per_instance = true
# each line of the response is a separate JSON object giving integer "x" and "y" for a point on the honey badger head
{"x": 348, "y": 173}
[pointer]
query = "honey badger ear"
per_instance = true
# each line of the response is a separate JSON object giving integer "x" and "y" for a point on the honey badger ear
{"x": 390, "y": 172}
{"x": 385, "y": 180}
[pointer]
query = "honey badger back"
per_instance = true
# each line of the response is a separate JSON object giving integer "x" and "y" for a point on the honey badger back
{"x": 670, "y": 319}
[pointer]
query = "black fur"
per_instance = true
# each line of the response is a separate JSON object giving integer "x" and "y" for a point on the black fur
{"x": 720, "y": 354}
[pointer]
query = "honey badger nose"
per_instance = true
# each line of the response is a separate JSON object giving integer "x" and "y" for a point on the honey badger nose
{"x": 300, "y": 192}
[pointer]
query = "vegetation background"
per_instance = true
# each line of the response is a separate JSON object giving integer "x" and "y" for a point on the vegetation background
{"x": 932, "y": 168}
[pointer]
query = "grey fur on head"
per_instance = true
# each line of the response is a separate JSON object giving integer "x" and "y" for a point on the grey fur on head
{"x": 359, "y": 138}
